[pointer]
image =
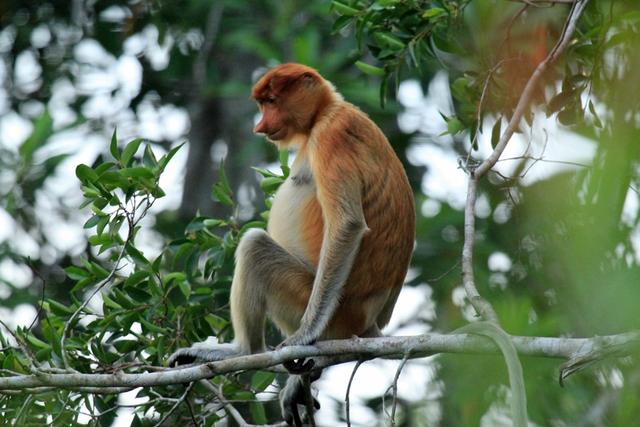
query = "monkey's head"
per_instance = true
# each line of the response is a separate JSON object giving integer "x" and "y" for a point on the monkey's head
{"x": 290, "y": 97}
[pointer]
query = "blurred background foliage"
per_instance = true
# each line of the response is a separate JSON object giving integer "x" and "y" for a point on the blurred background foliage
{"x": 557, "y": 252}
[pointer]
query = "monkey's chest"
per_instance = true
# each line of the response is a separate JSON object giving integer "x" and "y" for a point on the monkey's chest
{"x": 295, "y": 220}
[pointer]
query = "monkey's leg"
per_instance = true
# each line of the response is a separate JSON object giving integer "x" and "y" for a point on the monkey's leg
{"x": 297, "y": 392}
{"x": 267, "y": 281}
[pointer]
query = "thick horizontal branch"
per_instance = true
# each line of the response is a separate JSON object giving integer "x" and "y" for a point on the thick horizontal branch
{"x": 335, "y": 352}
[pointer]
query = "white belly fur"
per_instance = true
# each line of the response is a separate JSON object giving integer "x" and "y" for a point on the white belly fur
{"x": 285, "y": 216}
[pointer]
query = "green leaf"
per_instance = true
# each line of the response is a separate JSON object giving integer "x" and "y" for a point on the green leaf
{"x": 103, "y": 167}
{"x": 252, "y": 224}
{"x": 77, "y": 273}
{"x": 108, "y": 302}
{"x": 151, "y": 327}
{"x": 372, "y": 70}
{"x": 136, "y": 255}
{"x": 148, "y": 158}
{"x": 217, "y": 323}
{"x": 122, "y": 299}
{"x": 596, "y": 120}
{"x": 433, "y": 12}
{"x": 212, "y": 223}
{"x": 389, "y": 40}
{"x": 98, "y": 271}
{"x": 93, "y": 221}
{"x": 283, "y": 156}
{"x": 344, "y": 9}
{"x": 387, "y": 3}
{"x": 129, "y": 151}
{"x": 86, "y": 174}
{"x": 164, "y": 160}
{"x": 261, "y": 380}
{"x": 59, "y": 309}
{"x": 264, "y": 172}
{"x": 454, "y": 125}
{"x": 102, "y": 224}
{"x": 269, "y": 185}
{"x": 178, "y": 276}
{"x": 82, "y": 284}
{"x": 114, "y": 146}
{"x": 138, "y": 172}
{"x": 221, "y": 191}
{"x": 126, "y": 345}
{"x": 560, "y": 100}
{"x": 258, "y": 414}
{"x": 220, "y": 195}
{"x": 185, "y": 288}
{"x": 136, "y": 278}
{"x": 340, "y": 23}
{"x": 37, "y": 342}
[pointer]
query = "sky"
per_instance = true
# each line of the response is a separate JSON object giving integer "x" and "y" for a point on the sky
{"x": 110, "y": 83}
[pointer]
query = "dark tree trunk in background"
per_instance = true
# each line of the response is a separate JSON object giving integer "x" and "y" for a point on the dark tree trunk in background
{"x": 228, "y": 120}
{"x": 216, "y": 118}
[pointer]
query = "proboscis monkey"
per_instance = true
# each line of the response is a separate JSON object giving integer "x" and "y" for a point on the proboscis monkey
{"x": 340, "y": 231}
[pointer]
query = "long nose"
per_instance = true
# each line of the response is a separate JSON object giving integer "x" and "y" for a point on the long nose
{"x": 261, "y": 127}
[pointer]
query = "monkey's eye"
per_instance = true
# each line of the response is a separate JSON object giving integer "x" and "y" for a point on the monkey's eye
{"x": 269, "y": 100}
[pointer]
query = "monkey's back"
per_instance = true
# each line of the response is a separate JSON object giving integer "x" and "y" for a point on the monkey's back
{"x": 381, "y": 264}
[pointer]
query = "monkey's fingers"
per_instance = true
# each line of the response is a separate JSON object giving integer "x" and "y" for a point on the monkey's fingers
{"x": 299, "y": 366}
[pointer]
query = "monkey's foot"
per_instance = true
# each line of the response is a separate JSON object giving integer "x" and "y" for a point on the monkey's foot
{"x": 296, "y": 401}
{"x": 203, "y": 352}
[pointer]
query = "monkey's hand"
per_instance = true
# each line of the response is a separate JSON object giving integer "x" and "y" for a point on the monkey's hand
{"x": 203, "y": 352}
{"x": 298, "y": 366}
{"x": 297, "y": 339}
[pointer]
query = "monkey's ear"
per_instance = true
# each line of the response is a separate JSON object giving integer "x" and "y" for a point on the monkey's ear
{"x": 308, "y": 79}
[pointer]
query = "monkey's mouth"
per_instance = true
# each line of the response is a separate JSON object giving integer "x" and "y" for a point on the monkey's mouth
{"x": 277, "y": 135}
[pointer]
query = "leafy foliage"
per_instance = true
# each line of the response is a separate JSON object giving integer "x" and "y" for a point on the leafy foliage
{"x": 141, "y": 307}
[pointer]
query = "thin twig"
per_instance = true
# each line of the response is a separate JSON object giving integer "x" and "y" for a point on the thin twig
{"x": 347, "y": 399}
{"x": 231, "y": 410}
{"x": 132, "y": 222}
{"x": 480, "y": 103}
{"x": 544, "y": 3}
{"x": 446, "y": 273}
{"x": 395, "y": 387}
{"x": 35, "y": 271}
{"x": 33, "y": 362}
{"x": 175, "y": 406}
{"x": 102, "y": 284}
{"x": 62, "y": 411}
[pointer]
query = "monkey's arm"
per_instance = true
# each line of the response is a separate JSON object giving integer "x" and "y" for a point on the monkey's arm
{"x": 339, "y": 193}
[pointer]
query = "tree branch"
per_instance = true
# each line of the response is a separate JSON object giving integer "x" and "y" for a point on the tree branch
{"x": 482, "y": 307}
{"x": 329, "y": 353}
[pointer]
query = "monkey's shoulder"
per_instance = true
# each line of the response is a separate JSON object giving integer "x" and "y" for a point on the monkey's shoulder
{"x": 350, "y": 131}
